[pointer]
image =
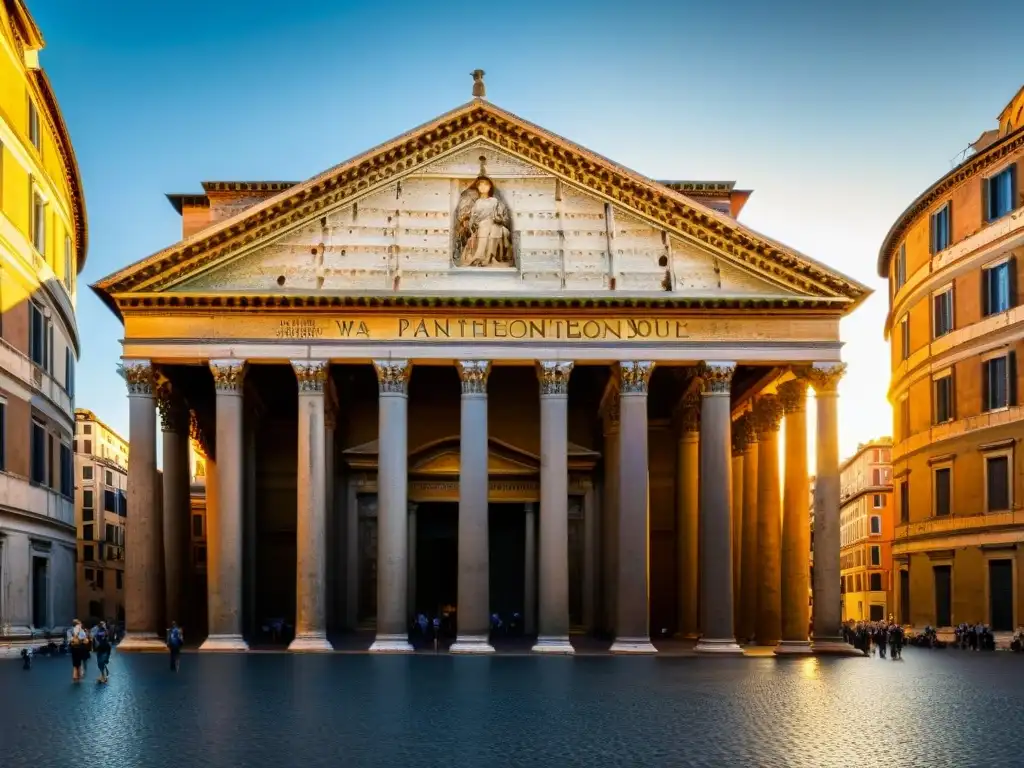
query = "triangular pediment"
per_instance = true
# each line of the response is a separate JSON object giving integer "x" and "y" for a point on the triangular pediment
{"x": 442, "y": 457}
{"x": 400, "y": 219}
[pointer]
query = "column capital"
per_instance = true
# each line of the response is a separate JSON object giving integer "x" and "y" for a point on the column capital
{"x": 634, "y": 376}
{"x": 228, "y": 375}
{"x": 311, "y": 375}
{"x": 793, "y": 394}
{"x": 138, "y": 375}
{"x": 824, "y": 377}
{"x": 717, "y": 376}
{"x": 393, "y": 376}
{"x": 174, "y": 413}
{"x": 768, "y": 412}
{"x": 744, "y": 433}
{"x": 554, "y": 377}
{"x": 473, "y": 374}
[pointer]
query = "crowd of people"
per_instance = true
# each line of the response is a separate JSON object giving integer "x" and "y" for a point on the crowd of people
{"x": 976, "y": 637}
{"x": 876, "y": 637}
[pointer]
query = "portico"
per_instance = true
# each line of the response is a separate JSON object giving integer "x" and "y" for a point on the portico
{"x": 577, "y": 394}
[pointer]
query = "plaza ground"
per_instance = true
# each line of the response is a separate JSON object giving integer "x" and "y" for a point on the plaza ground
{"x": 933, "y": 708}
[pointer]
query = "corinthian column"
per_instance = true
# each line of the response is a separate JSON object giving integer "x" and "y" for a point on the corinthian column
{"x": 739, "y": 448}
{"x": 632, "y": 626}
{"x": 225, "y": 590}
{"x": 311, "y": 514}
{"x": 687, "y": 516}
{"x": 717, "y": 634}
{"x": 473, "y": 617}
{"x": 824, "y": 378}
{"x": 177, "y": 511}
{"x": 749, "y": 574}
{"x": 796, "y": 527}
{"x": 143, "y": 593}
{"x": 393, "y": 508}
{"x": 553, "y": 624}
{"x": 768, "y": 628}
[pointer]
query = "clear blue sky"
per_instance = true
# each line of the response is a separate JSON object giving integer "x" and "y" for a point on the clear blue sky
{"x": 837, "y": 117}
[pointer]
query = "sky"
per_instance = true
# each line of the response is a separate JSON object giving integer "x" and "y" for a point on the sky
{"x": 836, "y": 115}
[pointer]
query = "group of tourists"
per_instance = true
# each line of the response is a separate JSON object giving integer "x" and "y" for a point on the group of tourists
{"x": 976, "y": 637}
{"x": 876, "y": 636}
{"x": 83, "y": 643}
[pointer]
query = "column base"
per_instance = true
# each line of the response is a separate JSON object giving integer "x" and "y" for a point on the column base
{"x": 472, "y": 645}
{"x": 632, "y": 645}
{"x": 142, "y": 641}
{"x": 719, "y": 646}
{"x": 553, "y": 645}
{"x": 834, "y": 646}
{"x": 793, "y": 648}
{"x": 313, "y": 642}
{"x": 391, "y": 644}
{"x": 224, "y": 643}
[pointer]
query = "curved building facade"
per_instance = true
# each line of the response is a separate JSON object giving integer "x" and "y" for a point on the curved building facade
{"x": 42, "y": 249}
{"x": 956, "y": 326}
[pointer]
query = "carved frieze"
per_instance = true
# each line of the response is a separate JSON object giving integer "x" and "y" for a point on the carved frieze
{"x": 138, "y": 376}
{"x": 311, "y": 375}
{"x": 473, "y": 374}
{"x": 554, "y": 377}
{"x": 228, "y": 375}
{"x": 634, "y": 376}
{"x": 393, "y": 376}
{"x": 824, "y": 377}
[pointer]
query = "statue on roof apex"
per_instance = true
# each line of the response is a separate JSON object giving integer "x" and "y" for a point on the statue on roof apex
{"x": 479, "y": 89}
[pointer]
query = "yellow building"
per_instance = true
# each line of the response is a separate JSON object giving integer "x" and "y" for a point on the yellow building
{"x": 956, "y": 322}
{"x": 101, "y": 503}
{"x": 42, "y": 249}
{"x": 866, "y": 529}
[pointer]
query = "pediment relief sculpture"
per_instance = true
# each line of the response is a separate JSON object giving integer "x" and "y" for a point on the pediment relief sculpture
{"x": 482, "y": 231}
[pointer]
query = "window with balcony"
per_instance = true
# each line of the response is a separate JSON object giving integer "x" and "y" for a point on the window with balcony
{"x": 900, "y": 268}
{"x": 34, "y": 133}
{"x": 876, "y": 582}
{"x": 940, "y": 229}
{"x": 38, "y": 453}
{"x": 997, "y": 482}
{"x": 905, "y": 337}
{"x": 904, "y": 501}
{"x": 1001, "y": 193}
{"x": 876, "y": 554}
{"x": 943, "y": 491}
{"x": 942, "y": 397}
{"x": 942, "y": 313}
{"x": 38, "y": 223}
{"x": 876, "y": 525}
{"x": 999, "y": 381}
{"x": 999, "y": 287}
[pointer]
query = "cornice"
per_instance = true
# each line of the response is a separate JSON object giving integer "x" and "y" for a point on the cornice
{"x": 474, "y": 121}
{"x": 968, "y": 169}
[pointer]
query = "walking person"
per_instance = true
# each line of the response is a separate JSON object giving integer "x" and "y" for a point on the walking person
{"x": 102, "y": 646}
{"x": 175, "y": 639}
{"x": 77, "y": 640}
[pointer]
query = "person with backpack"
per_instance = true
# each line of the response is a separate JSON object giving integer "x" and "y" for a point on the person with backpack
{"x": 78, "y": 639}
{"x": 102, "y": 647}
{"x": 175, "y": 639}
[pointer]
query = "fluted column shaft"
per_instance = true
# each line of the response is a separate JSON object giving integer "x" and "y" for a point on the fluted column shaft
{"x": 311, "y": 513}
{"x": 688, "y": 517}
{"x": 224, "y": 592}
{"x": 474, "y": 558}
{"x": 553, "y": 617}
{"x": 749, "y": 572}
{"x": 717, "y": 635}
{"x": 796, "y": 526}
{"x": 768, "y": 628}
{"x": 827, "y": 610}
{"x": 736, "y": 504}
{"x": 392, "y": 508}
{"x": 174, "y": 419}
{"x": 632, "y": 625}
{"x": 144, "y": 588}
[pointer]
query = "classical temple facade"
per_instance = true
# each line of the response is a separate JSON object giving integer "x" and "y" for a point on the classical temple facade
{"x": 482, "y": 369}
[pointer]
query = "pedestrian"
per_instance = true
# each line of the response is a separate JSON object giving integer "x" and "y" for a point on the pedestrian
{"x": 77, "y": 639}
{"x": 175, "y": 639}
{"x": 101, "y": 644}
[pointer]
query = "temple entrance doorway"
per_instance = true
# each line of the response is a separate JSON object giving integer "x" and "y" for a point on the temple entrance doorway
{"x": 507, "y": 534}
{"x": 437, "y": 558}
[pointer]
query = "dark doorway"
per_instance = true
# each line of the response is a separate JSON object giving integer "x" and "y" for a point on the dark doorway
{"x": 943, "y": 575}
{"x": 904, "y": 597}
{"x": 876, "y": 612}
{"x": 39, "y": 591}
{"x": 437, "y": 558}
{"x": 507, "y": 534}
{"x": 1000, "y": 595}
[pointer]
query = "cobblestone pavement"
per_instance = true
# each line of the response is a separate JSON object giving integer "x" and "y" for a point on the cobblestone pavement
{"x": 935, "y": 708}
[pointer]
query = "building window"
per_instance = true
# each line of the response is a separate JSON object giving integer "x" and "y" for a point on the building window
{"x": 905, "y": 417}
{"x": 1001, "y": 193}
{"x": 38, "y": 448}
{"x": 942, "y": 395}
{"x": 943, "y": 488}
{"x": 67, "y": 483}
{"x": 38, "y": 336}
{"x": 942, "y": 313}
{"x": 108, "y": 477}
{"x": 999, "y": 381}
{"x": 87, "y": 429}
{"x": 197, "y": 526}
{"x": 940, "y": 229}
{"x": 3, "y": 435}
{"x": 119, "y": 579}
{"x": 87, "y": 514}
{"x": 87, "y": 532}
{"x": 34, "y": 134}
{"x": 99, "y": 578}
{"x": 69, "y": 372}
{"x": 998, "y": 287}
{"x": 200, "y": 555}
{"x": 109, "y": 534}
{"x": 109, "y": 501}
{"x": 87, "y": 449}
{"x": 876, "y": 582}
{"x": 87, "y": 500}
{"x": 878, "y": 501}
{"x": 997, "y": 483}
{"x": 905, "y": 337}
{"x": 876, "y": 555}
{"x": 87, "y": 475}
{"x": 38, "y": 222}
{"x": 876, "y": 525}
{"x": 90, "y": 574}
{"x": 900, "y": 271}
